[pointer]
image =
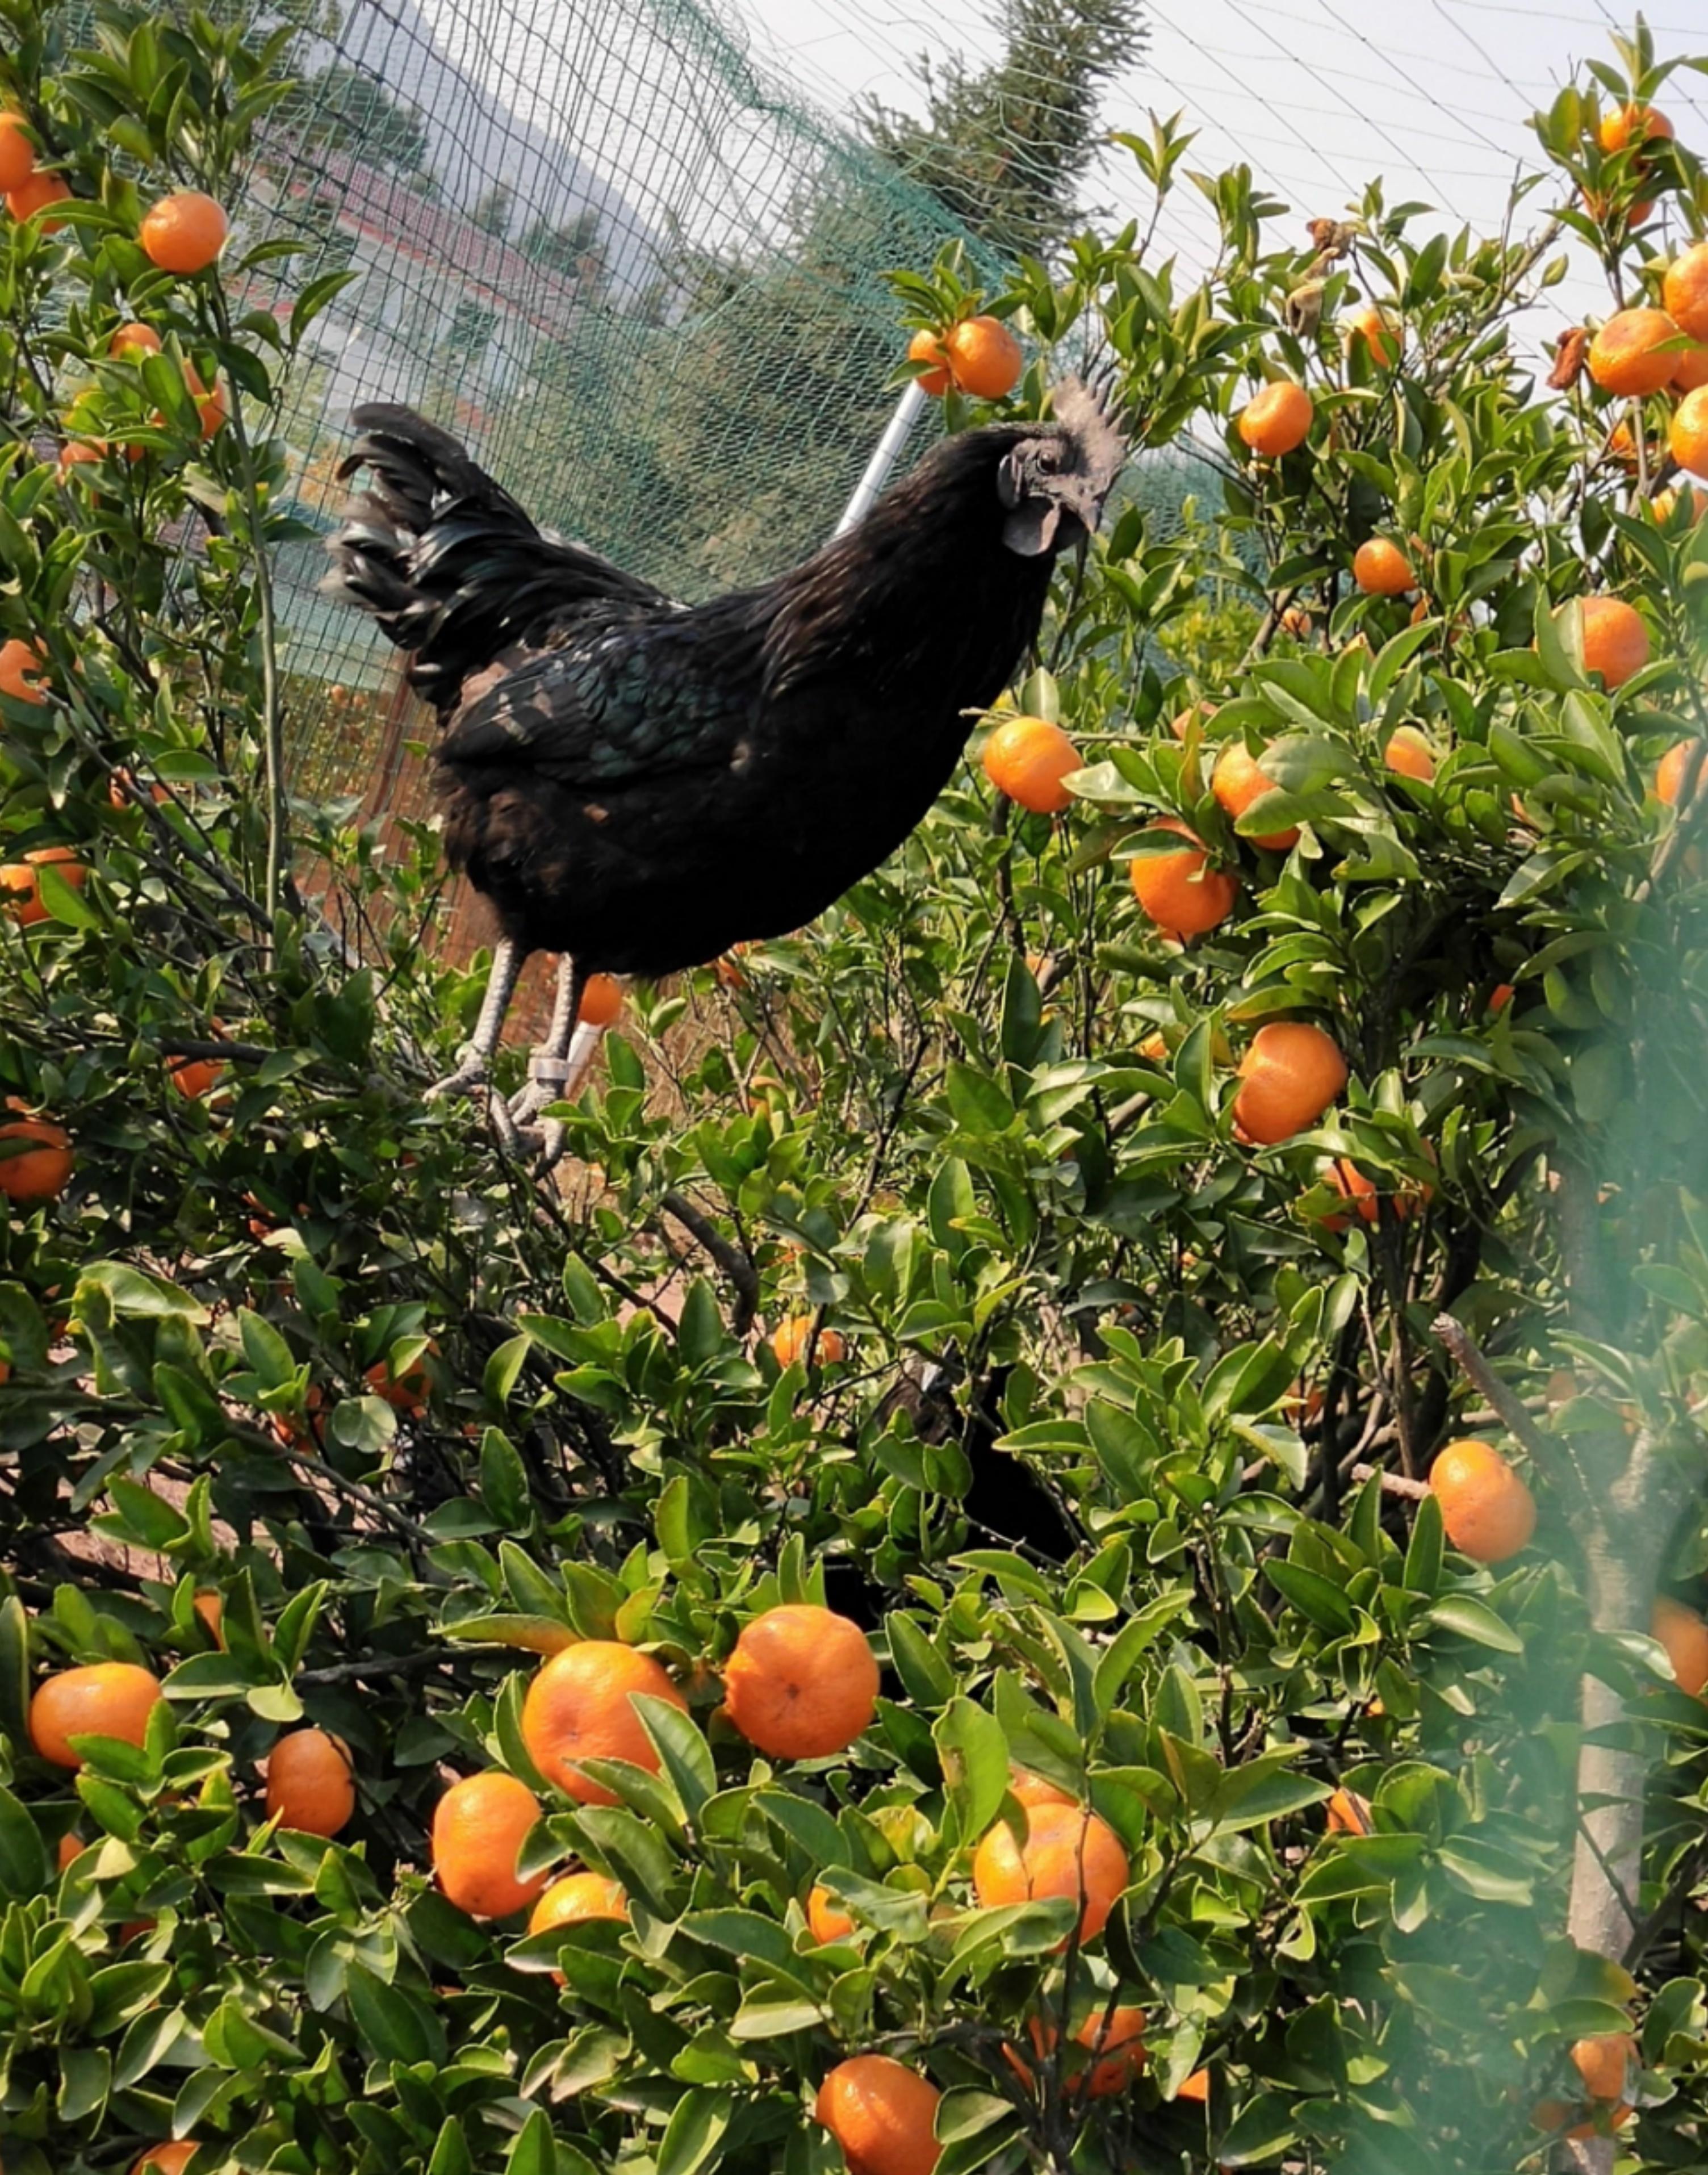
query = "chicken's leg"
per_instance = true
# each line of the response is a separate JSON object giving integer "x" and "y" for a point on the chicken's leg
{"x": 556, "y": 1065}
{"x": 475, "y": 1057}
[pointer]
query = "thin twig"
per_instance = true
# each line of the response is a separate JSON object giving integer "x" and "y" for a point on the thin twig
{"x": 736, "y": 1265}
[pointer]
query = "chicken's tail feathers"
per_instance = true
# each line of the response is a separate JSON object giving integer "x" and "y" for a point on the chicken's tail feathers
{"x": 446, "y": 560}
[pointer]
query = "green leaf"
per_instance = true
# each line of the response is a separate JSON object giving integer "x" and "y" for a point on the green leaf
{"x": 504, "y": 1478}
{"x": 693, "y": 2137}
{"x": 686, "y": 1756}
{"x": 23, "y": 1862}
{"x": 1315, "y": 1597}
{"x": 391, "y": 2024}
{"x": 1475, "y": 1620}
{"x": 975, "y": 1756}
{"x": 1423, "y": 1552}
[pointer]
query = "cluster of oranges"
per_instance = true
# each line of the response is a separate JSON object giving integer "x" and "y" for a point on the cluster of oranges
{"x": 978, "y": 355}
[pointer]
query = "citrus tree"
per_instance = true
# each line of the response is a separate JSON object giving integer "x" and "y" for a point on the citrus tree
{"x": 1072, "y": 1544}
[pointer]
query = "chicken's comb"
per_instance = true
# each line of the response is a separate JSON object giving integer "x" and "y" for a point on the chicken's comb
{"x": 1103, "y": 450}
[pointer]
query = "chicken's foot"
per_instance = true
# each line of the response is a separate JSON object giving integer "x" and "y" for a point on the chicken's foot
{"x": 557, "y": 1065}
{"x": 475, "y": 1059}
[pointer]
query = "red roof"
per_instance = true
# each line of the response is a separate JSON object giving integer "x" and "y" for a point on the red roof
{"x": 383, "y": 207}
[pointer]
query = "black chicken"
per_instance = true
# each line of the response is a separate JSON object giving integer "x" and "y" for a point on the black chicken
{"x": 637, "y": 783}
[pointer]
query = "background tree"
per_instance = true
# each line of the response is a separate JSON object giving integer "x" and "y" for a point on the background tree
{"x": 342, "y": 108}
{"x": 1005, "y": 147}
{"x": 493, "y": 210}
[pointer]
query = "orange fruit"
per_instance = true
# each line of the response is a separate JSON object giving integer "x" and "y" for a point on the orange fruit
{"x": 1381, "y": 569}
{"x": 1028, "y": 1789}
{"x": 575, "y": 1900}
{"x": 1352, "y": 1185}
{"x": 1115, "y": 2040}
{"x": 1687, "y": 434}
{"x": 1501, "y": 996}
{"x": 1028, "y": 758}
{"x": 170, "y": 2159}
{"x": 408, "y": 1393}
{"x": 311, "y": 1783}
{"x": 1684, "y": 291}
{"x": 134, "y": 341}
{"x": 1489, "y": 1512}
{"x": 1632, "y": 123}
{"x": 184, "y": 232}
{"x": 39, "y": 1173}
{"x": 1288, "y": 1077}
{"x": 1067, "y": 1851}
{"x": 1690, "y": 372}
{"x": 210, "y": 1607}
{"x": 103, "y": 1699}
{"x": 801, "y": 1683}
{"x": 985, "y": 357}
{"x": 581, "y": 1707}
{"x": 1197, "y": 2086}
{"x": 1669, "y": 772}
{"x": 1408, "y": 754}
{"x": 1684, "y": 1636}
{"x": 71, "y": 1847}
{"x": 926, "y": 347}
{"x": 1615, "y": 641}
{"x": 882, "y": 2114}
{"x": 1348, "y": 1813}
{"x": 33, "y": 194}
{"x": 18, "y": 880}
{"x": 1237, "y": 781}
{"x": 1277, "y": 419}
{"x": 1203, "y": 712}
{"x": 601, "y": 1000}
{"x": 1297, "y": 621}
{"x": 195, "y": 1077}
{"x": 17, "y": 151}
{"x": 1627, "y": 355}
{"x": 80, "y": 453}
{"x": 1179, "y": 890}
{"x": 1602, "y": 2061}
{"x": 827, "y": 1920}
{"x": 21, "y": 666}
{"x": 478, "y": 1827}
{"x": 1384, "y": 338}
{"x": 790, "y": 1338}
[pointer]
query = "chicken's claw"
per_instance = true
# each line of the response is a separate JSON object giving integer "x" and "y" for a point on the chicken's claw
{"x": 470, "y": 1077}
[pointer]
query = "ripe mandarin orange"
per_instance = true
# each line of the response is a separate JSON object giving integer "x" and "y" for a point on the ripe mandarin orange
{"x": 1669, "y": 772}
{"x": 311, "y": 1785}
{"x": 210, "y": 1607}
{"x": 1602, "y": 2062}
{"x": 985, "y": 357}
{"x": 826, "y": 1919}
{"x": 1197, "y": 2086}
{"x": 1409, "y": 754}
{"x": 581, "y": 1707}
{"x": 1381, "y": 569}
{"x": 1237, "y": 781}
{"x": 1277, "y": 419}
{"x": 478, "y": 1827}
{"x": 601, "y": 1000}
{"x": 1067, "y": 1851}
{"x": 1501, "y": 996}
{"x": 1489, "y": 1512}
{"x": 1288, "y": 1077}
{"x": 575, "y": 1900}
{"x": 169, "y": 2159}
{"x": 1632, "y": 123}
{"x": 102, "y": 1698}
{"x": 1690, "y": 371}
{"x": 1687, "y": 434}
{"x": 1684, "y": 291}
{"x": 34, "y": 194}
{"x": 1179, "y": 890}
{"x": 1028, "y": 758}
{"x": 183, "y": 232}
{"x": 1684, "y": 1636}
{"x": 133, "y": 341}
{"x": 408, "y": 1391}
{"x": 1202, "y": 711}
{"x": 790, "y": 1339}
{"x": 1615, "y": 641}
{"x": 1348, "y": 1813}
{"x": 1384, "y": 338}
{"x": 926, "y": 347}
{"x": 882, "y": 2114}
{"x": 1352, "y": 1185}
{"x": 1628, "y": 354}
{"x": 17, "y": 151}
{"x": 37, "y": 1173}
{"x": 21, "y": 666}
{"x": 23, "y": 899}
{"x": 70, "y": 1848}
{"x": 801, "y": 1683}
{"x": 1115, "y": 2039}
{"x": 1028, "y": 1789}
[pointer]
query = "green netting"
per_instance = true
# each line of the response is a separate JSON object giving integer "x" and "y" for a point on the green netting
{"x": 643, "y": 279}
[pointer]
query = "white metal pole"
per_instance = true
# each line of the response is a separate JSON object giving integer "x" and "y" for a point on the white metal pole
{"x": 884, "y": 457}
